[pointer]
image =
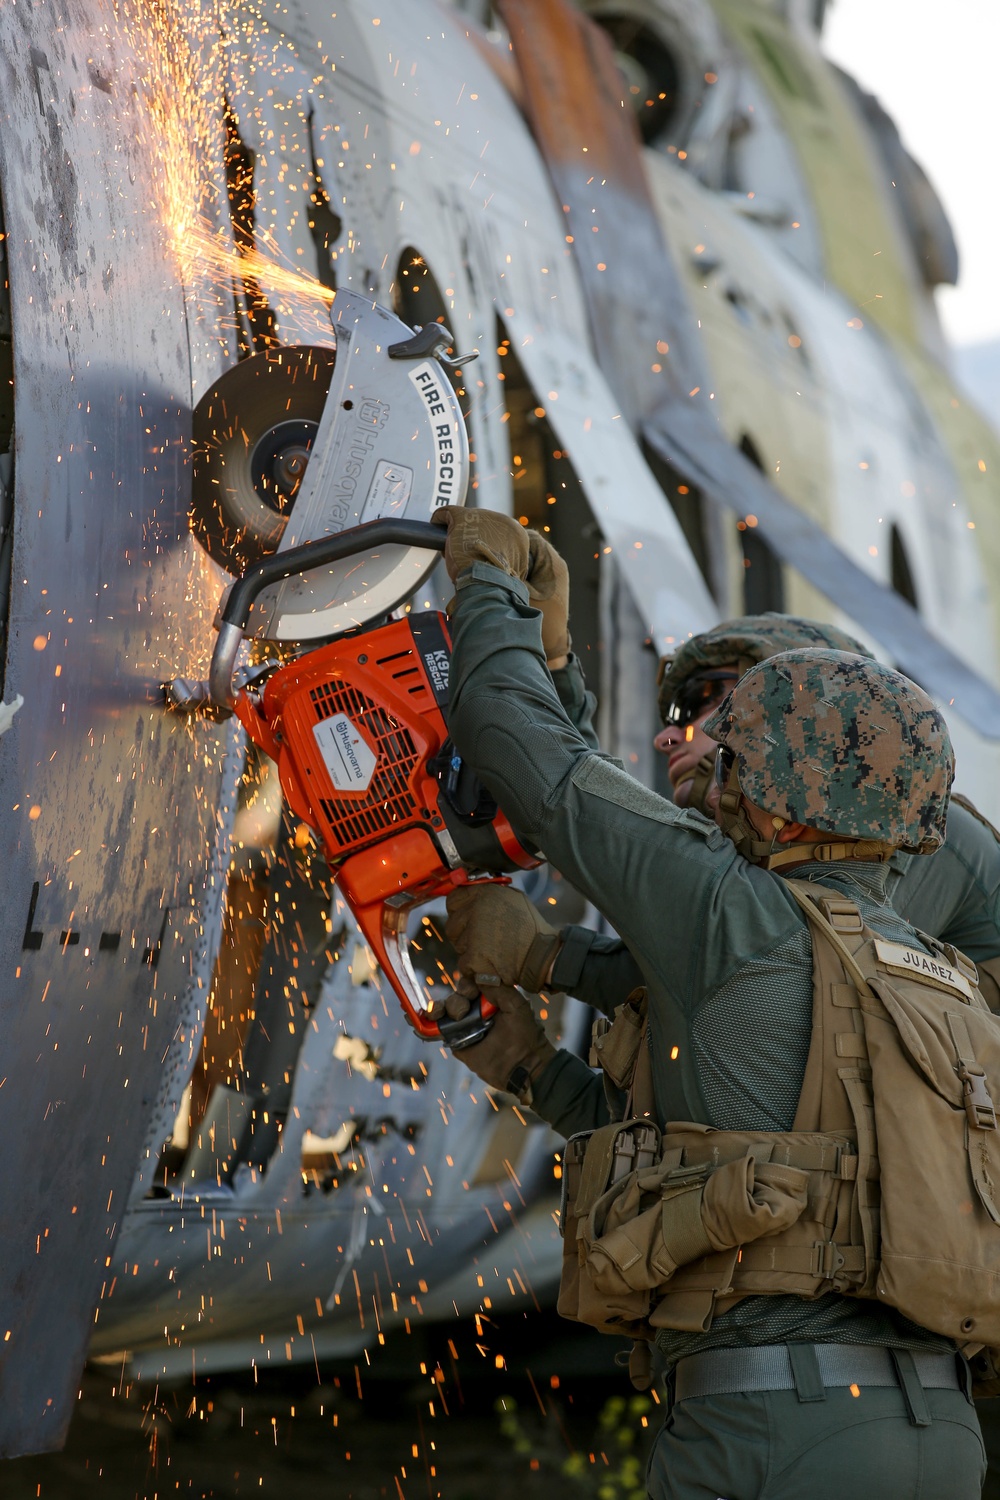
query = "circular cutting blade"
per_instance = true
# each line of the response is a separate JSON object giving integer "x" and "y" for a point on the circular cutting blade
{"x": 252, "y": 433}
{"x": 303, "y": 442}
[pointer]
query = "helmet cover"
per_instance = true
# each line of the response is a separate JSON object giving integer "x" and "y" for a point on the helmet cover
{"x": 742, "y": 642}
{"x": 842, "y": 743}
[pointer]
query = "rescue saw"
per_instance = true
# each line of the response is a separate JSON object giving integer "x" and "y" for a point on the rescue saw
{"x": 358, "y": 727}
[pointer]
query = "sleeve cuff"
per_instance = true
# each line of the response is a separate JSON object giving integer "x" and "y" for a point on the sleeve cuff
{"x": 566, "y": 971}
{"x": 562, "y": 1086}
{"x": 569, "y": 684}
{"x": 484, "y": 572}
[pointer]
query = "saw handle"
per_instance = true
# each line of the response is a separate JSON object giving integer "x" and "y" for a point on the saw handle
{"x": 384, "y": 929}
{"x": 471, "y": 1028}
{"x": 281, "y": 565}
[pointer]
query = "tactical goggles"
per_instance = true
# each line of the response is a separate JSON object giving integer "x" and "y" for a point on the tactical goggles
{"x": 697, "y": 694}
{"x": 725, "y": 759}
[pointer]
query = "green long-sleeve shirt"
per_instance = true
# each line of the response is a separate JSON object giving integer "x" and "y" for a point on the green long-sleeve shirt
{"x": 721, "y": 944}
{"x": 954, "y": 895}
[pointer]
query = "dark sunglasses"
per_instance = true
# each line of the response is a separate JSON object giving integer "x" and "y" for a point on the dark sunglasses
{"x": 697, "y": 695}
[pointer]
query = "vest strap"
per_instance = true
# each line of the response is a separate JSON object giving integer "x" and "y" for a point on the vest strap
{"x": 825, "y": 1258}
{"x": 980, "y": 1111}
{"x": 643, "y": 1100}
{"x": 818, "y": 919}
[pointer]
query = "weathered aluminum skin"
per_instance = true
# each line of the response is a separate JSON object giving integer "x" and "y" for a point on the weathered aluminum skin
{"x": 224, "y": 1274}
{"x": 430, "y": 1201}
{"x": 111, "y": 806}
{"x": 637, "y": 307}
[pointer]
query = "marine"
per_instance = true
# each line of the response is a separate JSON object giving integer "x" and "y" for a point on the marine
{"x": 955, "y": 897}
{"x": 723, "y": 946}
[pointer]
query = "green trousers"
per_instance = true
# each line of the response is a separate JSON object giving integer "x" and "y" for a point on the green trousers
{"x": 989, "y": 1421}
{"x": 770, "y": 1446}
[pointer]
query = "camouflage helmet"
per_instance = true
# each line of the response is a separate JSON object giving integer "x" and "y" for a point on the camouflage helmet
{"x": 841, "y": 743}
{"x": 739, "y": 643}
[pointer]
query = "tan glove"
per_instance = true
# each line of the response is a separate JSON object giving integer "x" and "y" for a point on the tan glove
{"x": 482, "y": 536}
{"x": 514, "y": 1050}
{"x": 548, "y": 590}
{"x": 499, "y": 937}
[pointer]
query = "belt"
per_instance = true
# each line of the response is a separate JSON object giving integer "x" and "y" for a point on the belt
{"x": 808, "y": 1368}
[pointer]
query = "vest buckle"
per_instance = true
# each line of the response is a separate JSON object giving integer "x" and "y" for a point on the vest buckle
{"x": 842, "y": 915}
{"x": 976, "y": 1096}
{"x": 635, "y": 1148}
{"x": 827, "y": 1259}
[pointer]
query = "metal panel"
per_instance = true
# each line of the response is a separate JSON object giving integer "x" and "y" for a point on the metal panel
{"x": 638, "y": 525}
{"x": 726, "y": 477}
{"x": 110, "y": 806}
{"x": 647, "y": 344}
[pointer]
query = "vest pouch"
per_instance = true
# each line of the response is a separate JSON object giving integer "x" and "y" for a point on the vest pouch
{"x": 569, "y": 1280}
{"x": 747, "y": 1199}
{"x": 689, "y": 1301}
{"x": 777, "y": 1213}
{"x": 615, "y": 1044}
{"x": 939, "y": 1155}
{"x": 631, "y": 1248}
{"x": 655, "y": 1221}
{"x": 697, "y": 1293}
{"x": 597, "y": 1163}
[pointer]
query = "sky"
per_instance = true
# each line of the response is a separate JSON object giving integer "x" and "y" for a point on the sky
{"x": 936, "y": 69}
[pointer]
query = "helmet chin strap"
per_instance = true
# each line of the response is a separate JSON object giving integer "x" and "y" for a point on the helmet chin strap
{"x": 700, "y": 778}
{"x": 734, "y": 820}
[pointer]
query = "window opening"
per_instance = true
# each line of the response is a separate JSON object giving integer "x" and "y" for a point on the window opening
{"x": 549, "y": 497}
{"x": 649, "y": 70}
{"x": 686, "y": 503}
{"x": 325, "y": 226}
{"x": 901, "y": 575}
{"x": 763, "y": 580}
{"x": 255, "y": 320}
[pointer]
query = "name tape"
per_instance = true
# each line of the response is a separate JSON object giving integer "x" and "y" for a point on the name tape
{"x": 922, "y": 965}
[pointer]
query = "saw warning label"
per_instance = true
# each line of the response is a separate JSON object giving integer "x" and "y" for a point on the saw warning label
{"x": 388, "y": 492}
{"x": 429, "y": 380}
{"x": 346, "y": 753}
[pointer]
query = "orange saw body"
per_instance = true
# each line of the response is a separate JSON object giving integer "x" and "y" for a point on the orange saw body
{"x": 359, "y": 732}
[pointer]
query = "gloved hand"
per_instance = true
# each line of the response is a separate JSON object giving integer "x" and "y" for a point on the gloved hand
{"x": 515, "y": 1049}
{"x": 548, "y": 590}
{"x": 482, "y": 536}
{"x": 499, "y": 937}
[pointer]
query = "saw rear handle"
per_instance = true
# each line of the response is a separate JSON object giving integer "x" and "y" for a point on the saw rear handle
{"x": 384, "y": 928}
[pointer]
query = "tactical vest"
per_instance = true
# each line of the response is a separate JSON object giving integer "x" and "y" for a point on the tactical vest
{"x": 886, "y": 1187}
